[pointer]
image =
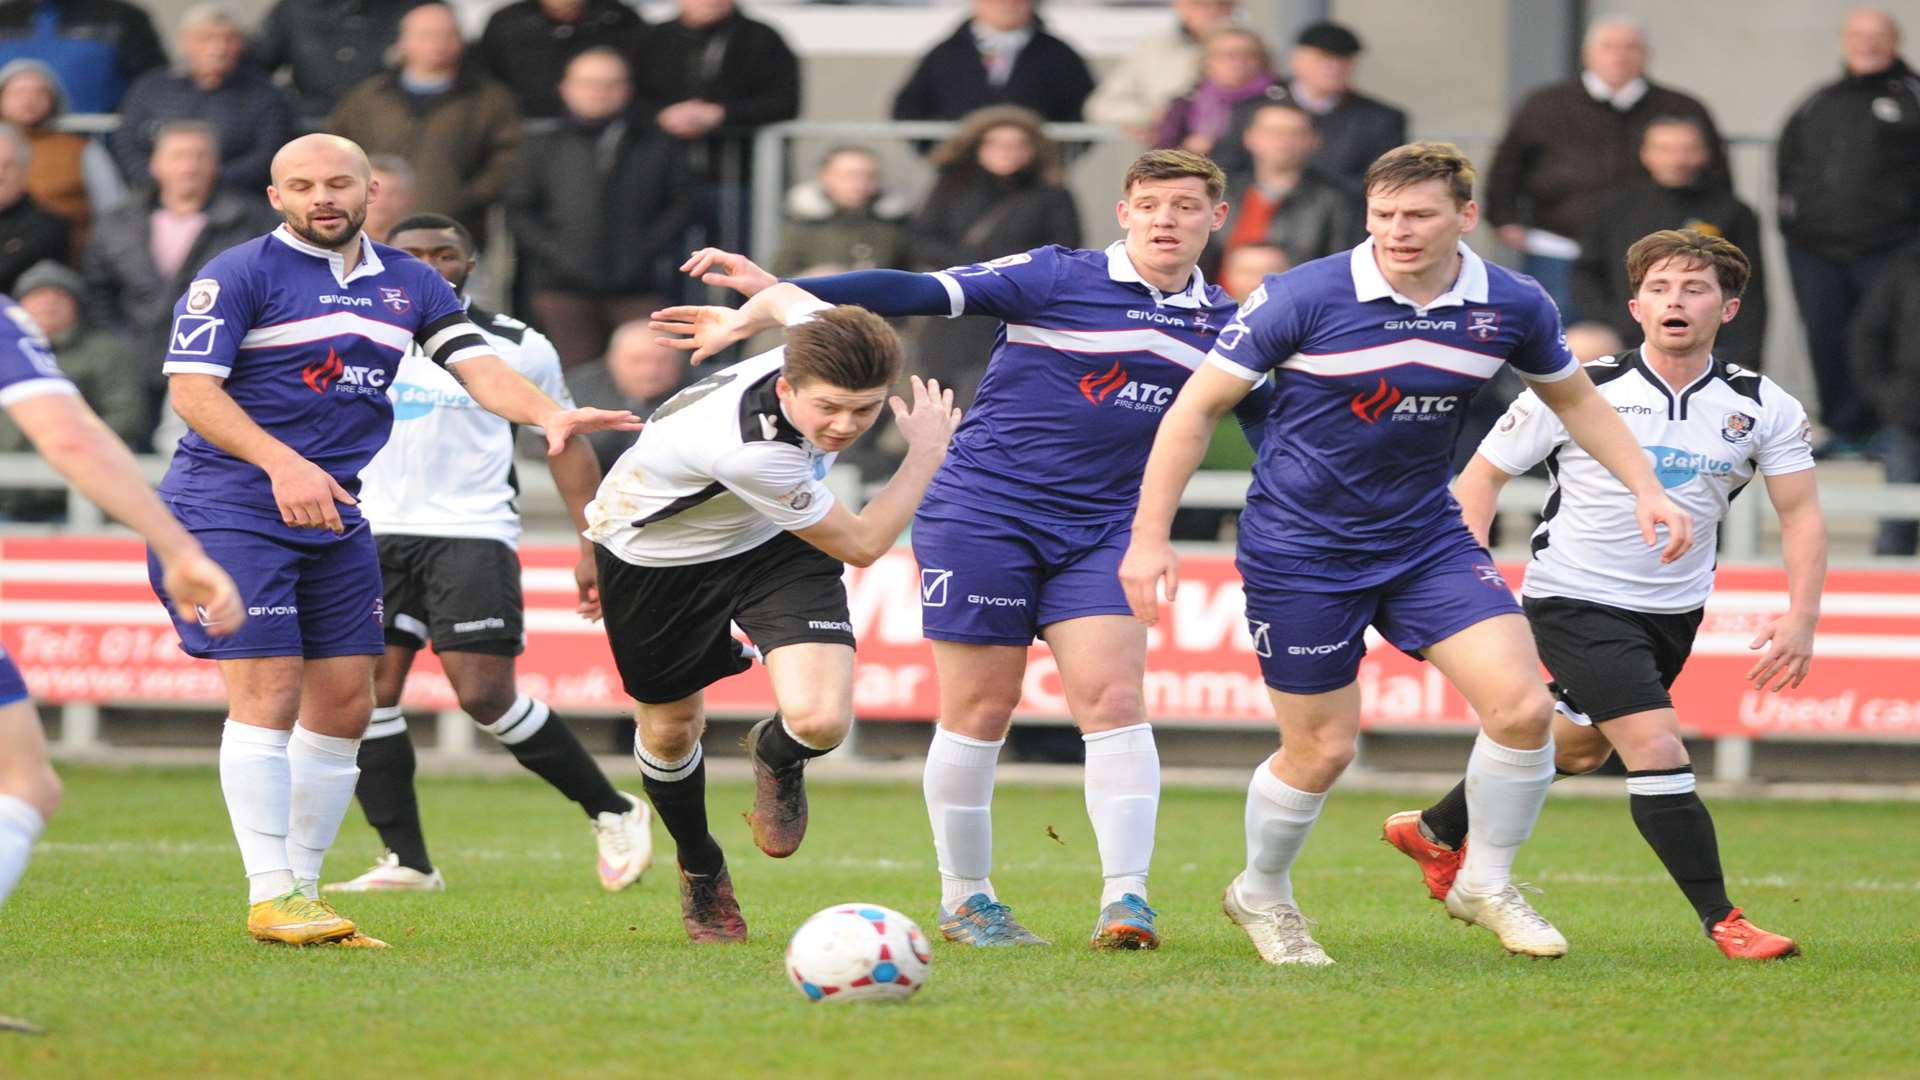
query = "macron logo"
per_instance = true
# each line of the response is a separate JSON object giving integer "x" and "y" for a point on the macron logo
{"x": 933, "y": 587}
{"x": 193, "y": 335}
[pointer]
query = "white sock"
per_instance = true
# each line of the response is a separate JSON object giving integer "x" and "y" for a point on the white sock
{"x": 522, "y": 720}
{"x": 1279, "y": 817}
{"x": 959, "y": 790}
{"x": 1123, "y": 800}
{"x": 20, "y": 826}
{"x": 386, "y": 723}
{"x": 323, "y": 769}
{"x": 254, "y": 779}
{"x": 1505, "y": 790}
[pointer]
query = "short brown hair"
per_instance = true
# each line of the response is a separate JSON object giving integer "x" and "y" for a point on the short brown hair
{"x": 846, "y": 347}
{"x": 1173, "y": 164}
{"x": 1418, "y": 162}
{"x": 1700, "y": 250}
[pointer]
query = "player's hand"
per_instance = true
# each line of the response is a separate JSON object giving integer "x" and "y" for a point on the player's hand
{"x": 1146, "y": 564}
{"x": 1655, "y": 510}
{"x": 307, "y": 496}
{"x": 1789, "y": 638}
{"x": 728, "y": 271}
{"x": 567, "y": 423}
{"x": 203, "y": 592}
{"x": 928, "y": 427}
{"x": 586, "y": 578}
{"x": 702, "y": 329}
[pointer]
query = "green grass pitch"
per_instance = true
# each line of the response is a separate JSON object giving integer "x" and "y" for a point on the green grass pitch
{"x": 126, "y": 941}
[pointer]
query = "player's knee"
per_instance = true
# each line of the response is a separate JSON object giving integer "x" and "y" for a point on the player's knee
{"x": 1321, "y": 756}
{"x": 1654, "y": 750}
{"x": 1580, "y": 760}
{"x": 35, "y": 784}
{"x": 819, "y": 725}
{"x": 1522, "y": 715}
{"x": 486, "y": 703}
{"x": 1113, "y": 706}
{"x": 669, "y": 732}
{"x": 981, "y": 715}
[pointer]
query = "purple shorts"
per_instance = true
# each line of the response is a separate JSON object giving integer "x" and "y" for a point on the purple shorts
{"x": 308, "y": 593}
{"x": 988, "y": 578}
{"x": 1310, "y": 640}
{"x": 12, "y": 687}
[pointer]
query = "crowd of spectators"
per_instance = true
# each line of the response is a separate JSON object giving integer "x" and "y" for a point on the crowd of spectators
{"x": 608, "y": 145}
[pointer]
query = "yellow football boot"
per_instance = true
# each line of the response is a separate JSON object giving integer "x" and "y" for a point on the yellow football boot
{"x": 295, "y": 919}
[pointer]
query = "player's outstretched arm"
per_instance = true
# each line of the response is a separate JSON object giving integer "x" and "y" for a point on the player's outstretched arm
{"x": 1177, "y": 449}
{"x": 884, "y": 292}
{"x": 304, "y": 492}
{"x": 704, "y": 329}
{"x": 860, "y": 539}
{"x": 506, "y": 393}
{"x": 1477, "y": 490}
{"x": 576, "y": 472}
{"x": 727, "y": 270}
{"x": 1788, "y": 638}
{"x": 1590, "y": 420}
{"x": 81, "y": 448}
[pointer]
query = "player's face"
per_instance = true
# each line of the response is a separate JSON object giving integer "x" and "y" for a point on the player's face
{"x": 323, "y": 196}
{"x": 1680, "y": 306}
{"x": 1416, "y": 229}
{"x": 831, "y": 417}
{"x": 1168, "y": 222}
{"x": 440, "y": 249}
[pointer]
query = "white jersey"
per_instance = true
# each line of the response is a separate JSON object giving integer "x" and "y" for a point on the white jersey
{"x": 447, "y": 469}
{"x": 1706, "y": 441}
{"x": 718, "y": 470}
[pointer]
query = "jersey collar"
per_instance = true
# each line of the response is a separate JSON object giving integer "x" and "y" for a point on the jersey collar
{"x": 370, "y": 263}
{"x": 1370, "y": 284}
{"x": 1120, "y": 268}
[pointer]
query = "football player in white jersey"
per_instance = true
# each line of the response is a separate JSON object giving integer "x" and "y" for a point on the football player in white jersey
{"x": 1614, "y": 625}
{"x": 439, "y": 498}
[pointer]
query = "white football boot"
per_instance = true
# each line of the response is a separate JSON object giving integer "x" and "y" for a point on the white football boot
{"x": 1521, "y": 930}
{"x": 626, "y": 844}
{"x": 1280, "y": 933}
{"x": 388, "y": 875}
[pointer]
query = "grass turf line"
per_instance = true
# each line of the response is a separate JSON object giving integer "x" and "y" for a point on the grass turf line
{"x": 126, "y": 940}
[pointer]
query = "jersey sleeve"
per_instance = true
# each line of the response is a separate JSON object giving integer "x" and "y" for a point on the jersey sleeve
{"x": 1265, "y": 331}
{"x": 212, "y": 319}
{"x": 1542, "y": 355}
{"x": 1524, "y": 435}
{"x": 1786, "y": 444}
{"x": 445, "y": 334}
{"x": 1009, "y": 288}
{"x": 27, "y": 367}
{"x": 776, "y": 479}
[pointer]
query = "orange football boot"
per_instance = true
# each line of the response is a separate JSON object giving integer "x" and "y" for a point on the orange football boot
{"x": 1438, "y": 864}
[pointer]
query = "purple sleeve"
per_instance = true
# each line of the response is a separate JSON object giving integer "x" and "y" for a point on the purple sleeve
{"x": 27, "y": 367}
{"x": 1011, "y": 288}
{"x": 1542, "y": 355}
{"x": 212, "y": 319}
{"x": 1263, "y": 334}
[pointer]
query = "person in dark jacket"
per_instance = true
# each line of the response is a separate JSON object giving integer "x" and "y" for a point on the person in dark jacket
{"x": 527, "y": 44}
{"x": 253, "y": 117}
{"x": 637, "y": 374}
{"x": 597, "y": 206}
{"x": 327, "y": 47}
{"x": 1678, "y": 158}
{"x": 1001, "y": 56}
{"x": 1885, "y": 354}
{"x": 97, "y": 47}
{"x": 1849, "y": 176}
{"x": 1574, "y": 143}
{"x": 1282, "y": 199}
{"x": 1353, "y": 128}
{"x": 28, "y": 233}
{"x": 844, "y": 220}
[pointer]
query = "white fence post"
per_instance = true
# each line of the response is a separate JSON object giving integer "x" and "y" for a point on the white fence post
{"x": 453, "y": 734}
{"x": 1733, "y": 759}
{"x": 80, "y": 728}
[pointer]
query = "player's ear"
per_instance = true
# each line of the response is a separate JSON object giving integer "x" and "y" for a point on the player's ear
{"x": 1120, "y": 212}
{"x": 1220, "y": 215}
{"x": 1633, "y": 307}
{"x": 1469, "y": 216}
{"x": 1728, "y": 310}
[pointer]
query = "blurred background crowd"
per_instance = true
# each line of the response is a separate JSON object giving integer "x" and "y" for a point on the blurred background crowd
{"x": 590, "y": 144}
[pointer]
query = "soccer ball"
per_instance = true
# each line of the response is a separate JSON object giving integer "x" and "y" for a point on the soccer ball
{"x": 858, "y": 952}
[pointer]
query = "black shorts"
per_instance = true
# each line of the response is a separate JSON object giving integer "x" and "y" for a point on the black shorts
{"x": 1608, "y": 662}
{"x": 462, "y": 594}
{"x": 669, "y": 624}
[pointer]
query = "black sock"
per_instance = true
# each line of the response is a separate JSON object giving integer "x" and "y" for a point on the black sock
{"x": 385, "y": 790}
{"x": 1446, "y": 820}
{"x": 679, "y": 796}
{"x": 779, "y": 750}
{"x": 1680, "y": 831}
{"x": 554, "y": 754}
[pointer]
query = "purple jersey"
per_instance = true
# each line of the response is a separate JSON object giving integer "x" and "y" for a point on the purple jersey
{"x": 1368, "y": 391}
{"x": 27, "y": 368}
{"x": 308, "y": 350}
{"x": 1087, "y": 361}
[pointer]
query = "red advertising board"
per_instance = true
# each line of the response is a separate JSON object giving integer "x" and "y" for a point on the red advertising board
{"x": 82, "y": 623}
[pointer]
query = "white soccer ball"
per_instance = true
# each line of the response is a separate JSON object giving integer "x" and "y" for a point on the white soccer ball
{"x": 858, "y": 952}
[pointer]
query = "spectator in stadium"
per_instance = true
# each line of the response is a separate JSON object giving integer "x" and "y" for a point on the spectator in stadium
{"x": 1849, "y": 167}
{"x": 1353, "y": 128}
{"x": 1160, "y": 67}
{"x": 327, "y": 47}
{"x": 1003, "y": 55}
{"x": 97, "y": 48}
{"x": 1589, "y": 341}
{"x": 637, "y": 373}
{"x": 458, "y": 128}
{"x": 1885, "y": 353}
{"x": 1281, "y": 198}
{"x": 1243, "y": 268}
{"x": 1678, "y": 157}
{"x": 844, "y": 220}
{"x": 71, "y": 175}
{"x": 1234, "y": 68}
{"x": 399, "y": 195}
{"x": 527, "y": 44}
{"x": 712, "y": 67}
{"x": 1574, "y": 143}
{"x": 599, "y": 208}
{"x": 211, "y": 83}
{"x": 95, "y": 357}
{"x": 144, "y": 252}
{"x": 28, "y": 233}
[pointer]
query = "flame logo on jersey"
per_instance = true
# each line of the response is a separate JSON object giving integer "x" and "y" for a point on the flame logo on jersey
{"x": 1371, "y": 405}
{"x": 1095, "y": 388}
{"x": 320, "y": 375}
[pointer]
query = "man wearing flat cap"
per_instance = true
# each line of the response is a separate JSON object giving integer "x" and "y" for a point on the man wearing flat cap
{"x": 1353, "y": 128}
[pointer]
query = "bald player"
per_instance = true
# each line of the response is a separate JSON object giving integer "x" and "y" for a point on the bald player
{"x": 279, "y": 361}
